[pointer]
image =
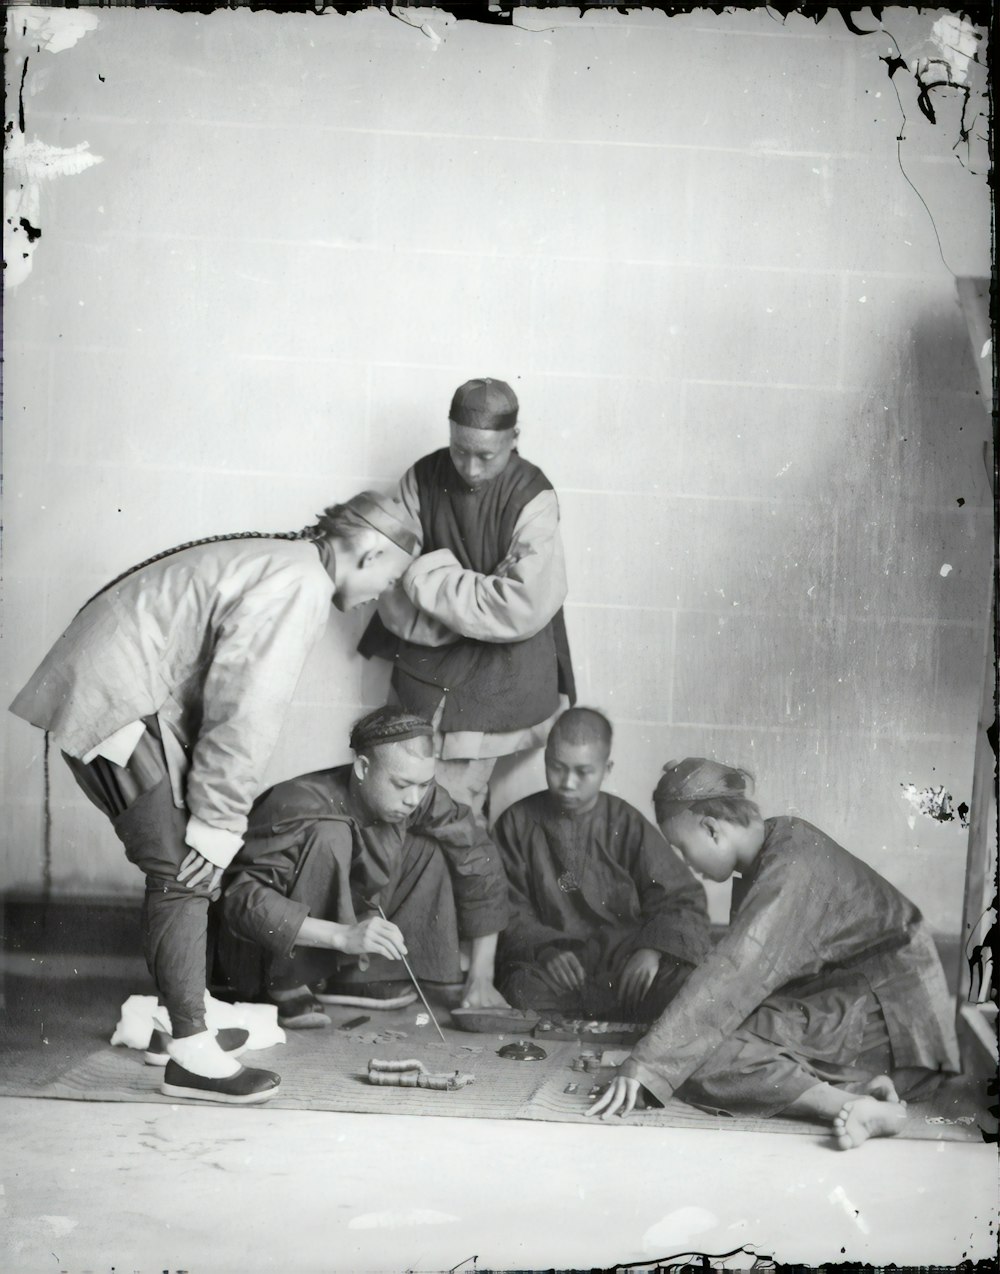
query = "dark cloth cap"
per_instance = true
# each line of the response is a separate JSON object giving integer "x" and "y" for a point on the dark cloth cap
{"x": 388, "y": 725}
{"x": 697, "y": 779}
{"x": 484, "y": 404}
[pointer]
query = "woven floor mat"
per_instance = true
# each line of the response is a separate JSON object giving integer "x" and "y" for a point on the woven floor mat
{"x": 327, "y": 1070}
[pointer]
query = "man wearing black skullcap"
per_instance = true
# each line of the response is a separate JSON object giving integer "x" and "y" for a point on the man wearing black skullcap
{"x": 325, "y": 850}
{"x": 475, "y": 629}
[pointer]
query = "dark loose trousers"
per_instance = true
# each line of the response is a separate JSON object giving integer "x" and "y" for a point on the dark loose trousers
{"x": 138, "y": 800}
{"x": 834, "y": 1035}
{"x": 532, "y": 988}
{"x": 602, "y": 884}
{"x": 436, "y": 875}
{"x": 275, "y": 884}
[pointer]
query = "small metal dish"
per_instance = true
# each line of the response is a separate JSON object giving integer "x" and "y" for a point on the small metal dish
{"x": 522, "y": 1051}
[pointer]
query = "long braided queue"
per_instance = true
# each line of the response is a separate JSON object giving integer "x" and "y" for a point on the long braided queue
{"x": 313, "y": 532}
{"x": 307, "y": 533}
{"x": 414, "y": 1074}
{"x": 366, "y": 509}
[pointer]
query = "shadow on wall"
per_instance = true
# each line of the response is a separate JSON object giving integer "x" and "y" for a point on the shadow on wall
{"x": 915, "y": 528}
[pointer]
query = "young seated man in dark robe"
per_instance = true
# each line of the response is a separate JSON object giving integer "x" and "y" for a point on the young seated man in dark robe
{"x": 325, "y": 850}
{"x": 606, "y": 921}
{"x": 824, "y": 1000}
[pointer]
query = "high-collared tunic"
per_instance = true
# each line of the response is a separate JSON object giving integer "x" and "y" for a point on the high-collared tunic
{"x": 606, "y": 875}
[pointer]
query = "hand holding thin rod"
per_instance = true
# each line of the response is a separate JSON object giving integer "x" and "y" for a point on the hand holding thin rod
{"x": 413, "y": 979}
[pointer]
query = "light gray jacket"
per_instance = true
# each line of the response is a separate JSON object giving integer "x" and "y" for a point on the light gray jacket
{"x": 212, "y": 639}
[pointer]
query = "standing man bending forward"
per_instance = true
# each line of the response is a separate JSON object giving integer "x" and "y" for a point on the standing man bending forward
{"x": 166, "y": 694}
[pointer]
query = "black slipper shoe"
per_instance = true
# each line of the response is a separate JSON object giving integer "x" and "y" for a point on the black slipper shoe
{"x": 300, "y": 1013}
{"x": 244, "y": 1088}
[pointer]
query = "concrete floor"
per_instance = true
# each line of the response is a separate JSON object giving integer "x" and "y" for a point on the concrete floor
{"x": 102, "y": 1187}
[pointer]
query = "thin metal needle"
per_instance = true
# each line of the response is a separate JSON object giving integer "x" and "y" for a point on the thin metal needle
{"x": 413, "y": 979}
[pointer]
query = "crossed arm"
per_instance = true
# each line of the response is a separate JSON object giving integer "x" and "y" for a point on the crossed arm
{"x": 439, "y": 600}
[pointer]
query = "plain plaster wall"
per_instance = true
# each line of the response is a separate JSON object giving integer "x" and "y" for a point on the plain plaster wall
{"x": 688, "y": 244}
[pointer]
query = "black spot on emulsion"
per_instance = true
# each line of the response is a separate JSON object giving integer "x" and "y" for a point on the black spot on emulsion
{"x": 31, "y": 231}
{"x": 960, "y": 501}
{"x": 20, "y": 97}
{"x": 894, "y": 64}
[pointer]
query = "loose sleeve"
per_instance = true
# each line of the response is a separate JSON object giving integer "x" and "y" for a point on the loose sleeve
{"x": 525, "y": 935}
{"x": 395, "y": 609}
{"x": 516, "y": 601}
{"x": 672, "y": 902}
{"x": 770, "y": 942}
{"x": 255, "y": 900}
{"x": 261, "y": 645}
{"x": 474, "y": 864}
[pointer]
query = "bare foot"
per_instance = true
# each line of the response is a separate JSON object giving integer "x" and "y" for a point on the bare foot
{"x": 883, "y": 1088}
{"x": 867, "y": 1117}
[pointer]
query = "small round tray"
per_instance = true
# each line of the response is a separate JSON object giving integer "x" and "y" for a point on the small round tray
{"x": 522, "y": 1051}
{"x": 498, "y": 1021}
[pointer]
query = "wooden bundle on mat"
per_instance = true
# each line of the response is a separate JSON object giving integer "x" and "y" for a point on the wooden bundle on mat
{"x": 414, "y": 1074}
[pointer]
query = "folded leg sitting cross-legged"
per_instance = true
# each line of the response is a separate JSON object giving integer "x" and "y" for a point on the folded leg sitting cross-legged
{"x": 777, "y": 1062}
{"x": 532, "y": 986}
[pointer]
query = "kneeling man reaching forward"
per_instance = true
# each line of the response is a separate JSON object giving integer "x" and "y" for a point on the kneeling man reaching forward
{"x": 824, "y": 1000}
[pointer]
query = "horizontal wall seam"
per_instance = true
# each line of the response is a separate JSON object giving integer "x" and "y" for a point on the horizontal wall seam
{"x": 342, "y": 245}
{"x": 279, "y": 126}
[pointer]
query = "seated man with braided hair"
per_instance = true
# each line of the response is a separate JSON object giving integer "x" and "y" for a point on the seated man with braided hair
{"x": 325, "y": 851}
{"x": 167, "y": 693}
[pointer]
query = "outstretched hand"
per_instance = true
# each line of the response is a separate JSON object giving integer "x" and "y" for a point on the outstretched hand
{"x": 618, "y": 1098}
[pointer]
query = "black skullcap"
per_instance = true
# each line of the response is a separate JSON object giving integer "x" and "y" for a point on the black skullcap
{"x": 484, "y": 404}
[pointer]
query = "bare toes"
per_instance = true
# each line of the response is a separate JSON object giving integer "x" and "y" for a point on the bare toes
{"x": 867, "y": 1117}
